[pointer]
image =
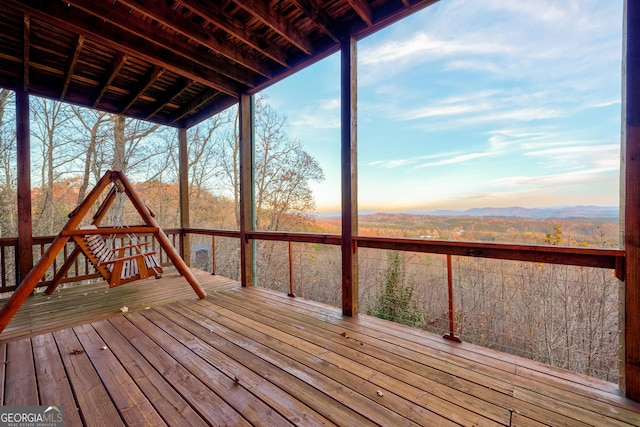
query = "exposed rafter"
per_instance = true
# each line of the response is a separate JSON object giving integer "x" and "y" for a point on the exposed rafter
{"x": 112, "y": 36}
{"x": 170, "y": 95}
{"x": 149, "y": 79}
{"x": 203, "y": 98}
{"x": 363, "y": 10}
{"x": 65, "y": 49}
{"x": 167, "y": 16}
{"x": 116, "y": 66}
{"x": 312, "y": 10}
{"x": 214, "y": 14}
{"x": 259, "y": 9}
{"x": 220, "y": 104}
{"x": 71, "y": 65}
{"x": 126, "y": 26}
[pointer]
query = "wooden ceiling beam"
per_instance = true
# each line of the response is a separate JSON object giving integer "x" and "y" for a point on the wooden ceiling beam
{"x": 171, "y": 94}
{"x": 171, "y": 18}
{"x": 114, "y": 70}
{"x": 109, "y": 35}
{"x": 222, "y": 103}
{"x": 214, "y": 14}
{"x": 25, "y": 52}
{"x": 149, "y": 80}
{"x": 314, "y": 12}
{"x": 260, "y": 10}
{"x": 119, "y": 15}
{"x": 384, "y": 15}
{"x": 363, "y": 10}
{"x": 202, "y": 98}
{"x": 71, "y": 65}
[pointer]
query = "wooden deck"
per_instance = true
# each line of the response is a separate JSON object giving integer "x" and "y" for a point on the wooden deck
{"x": 255, "y": 357}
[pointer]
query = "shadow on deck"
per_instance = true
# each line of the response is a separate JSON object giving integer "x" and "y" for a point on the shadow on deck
{"x": 250, "y": 356}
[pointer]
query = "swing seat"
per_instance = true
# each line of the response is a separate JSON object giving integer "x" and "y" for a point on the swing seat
{"x": 114, "y": 264}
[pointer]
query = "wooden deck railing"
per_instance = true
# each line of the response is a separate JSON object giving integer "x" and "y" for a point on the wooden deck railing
{"x": 562, "y": 255}
{"x": 81, "y": 270}
{"x": 573, "y": 256}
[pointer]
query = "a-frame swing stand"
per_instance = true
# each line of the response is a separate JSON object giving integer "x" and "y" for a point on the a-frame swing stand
{"x": 71, "y": 231}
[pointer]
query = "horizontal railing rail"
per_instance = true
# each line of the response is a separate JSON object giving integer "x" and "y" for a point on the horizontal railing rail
{"x": 545, "y": 254}
{"x": 293, "y": 258}
{"x": 80, "y": 271}
{"x": 564, "y": 255}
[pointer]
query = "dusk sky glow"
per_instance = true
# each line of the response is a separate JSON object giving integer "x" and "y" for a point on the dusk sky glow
{"x": 473, "y": 104}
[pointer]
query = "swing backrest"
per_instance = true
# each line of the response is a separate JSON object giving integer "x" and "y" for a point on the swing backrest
{"x": 117, "y": 269}
{"x": 98, "y": 246}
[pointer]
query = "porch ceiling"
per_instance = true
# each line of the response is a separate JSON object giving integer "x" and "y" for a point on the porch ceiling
{"x": 174, "y": 62}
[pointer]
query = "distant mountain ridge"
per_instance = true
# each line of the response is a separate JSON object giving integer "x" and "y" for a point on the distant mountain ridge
{"x": 538, "y": 213}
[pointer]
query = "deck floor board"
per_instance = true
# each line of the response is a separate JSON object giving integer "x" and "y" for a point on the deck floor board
{"x": 251, "y": 356}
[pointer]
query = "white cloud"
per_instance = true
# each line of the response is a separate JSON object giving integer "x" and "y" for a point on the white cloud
{"x": 598, "y": 157}
{"x": 323, "y": 114}
{"x": 485, "y": 106}
{"x": 473, "y": 65}
{"x": 554, "y": 180}
{"x": 424, "y": 46}
{"x": 394, "y": 163}
{"x": 456, "y": 159}
{"x": 607, "y": 103}
{"x": 390, "y": 164}
{"x": 527, "y": 38}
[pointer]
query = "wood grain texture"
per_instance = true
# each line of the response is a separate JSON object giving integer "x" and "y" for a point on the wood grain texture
{"x": 252, "y": 356}
{"x": 349, "y": 173}
{"x": 630, "y": 197}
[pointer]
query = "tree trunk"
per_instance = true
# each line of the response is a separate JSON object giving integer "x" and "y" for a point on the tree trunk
{"x": 118, "y": 164}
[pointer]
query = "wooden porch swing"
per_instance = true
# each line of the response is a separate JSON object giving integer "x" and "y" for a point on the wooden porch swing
{"x": 117, "y": 265}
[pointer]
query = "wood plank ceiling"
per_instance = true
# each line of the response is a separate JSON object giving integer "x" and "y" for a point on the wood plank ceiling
{"x": 174, "y": 62}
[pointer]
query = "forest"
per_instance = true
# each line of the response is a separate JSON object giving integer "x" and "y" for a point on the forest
{"x": 561, "y": 315}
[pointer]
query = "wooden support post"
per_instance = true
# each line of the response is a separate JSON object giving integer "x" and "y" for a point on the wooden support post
{"x": 247, "y": 254}
{"x": 30, "y": 281}
{"x": 24, "y": 257}
{"x": 291, "y": 290}
{"x": 183, "y": 173}
{"x": 164, "y": 241}
{"x": 630, "y": 200}
{"x": 213, "y": 255}
{"x": 349, "y": 84}
{"x": 452, "y": 329}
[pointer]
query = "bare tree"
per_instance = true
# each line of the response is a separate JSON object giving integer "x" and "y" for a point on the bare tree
{"x": 49, "y": 118}
{"x": 134, "y": 145}
{"x": 283, "y": 171}
{"x": 92, "y": 124}
{"x": 132, "y": 149}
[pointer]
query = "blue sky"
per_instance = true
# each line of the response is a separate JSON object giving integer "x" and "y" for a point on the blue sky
{"x": 473, "y": 104}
